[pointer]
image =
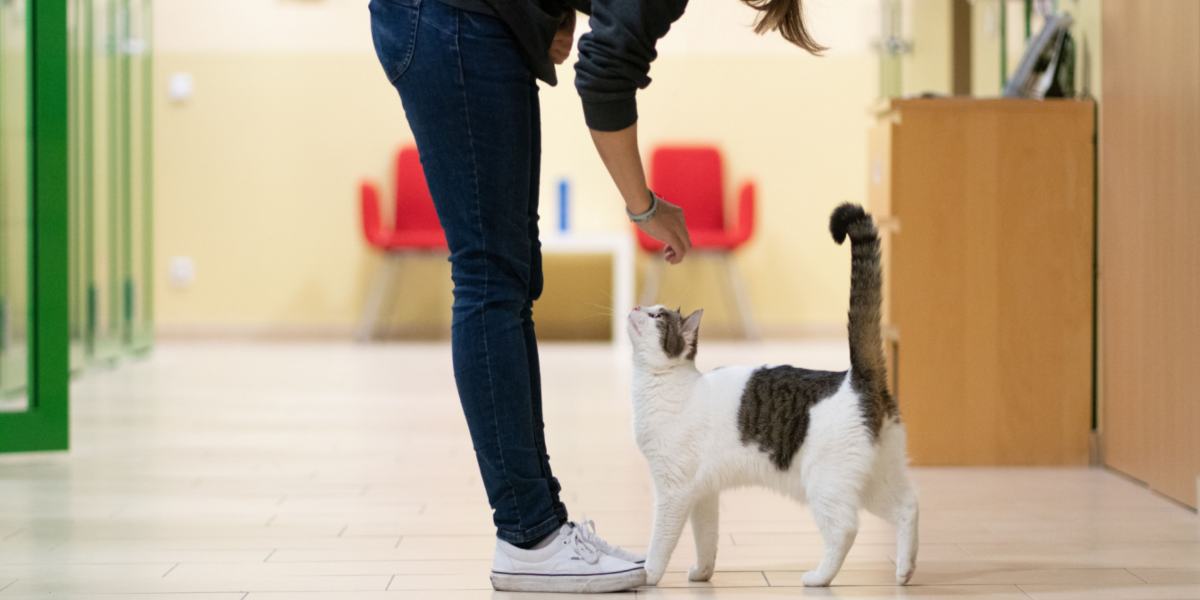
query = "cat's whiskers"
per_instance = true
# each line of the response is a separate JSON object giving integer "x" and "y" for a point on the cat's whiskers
{"x": 603, "y": 309}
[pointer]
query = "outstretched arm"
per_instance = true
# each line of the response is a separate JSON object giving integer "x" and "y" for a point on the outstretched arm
{"x": 619, "y": 151}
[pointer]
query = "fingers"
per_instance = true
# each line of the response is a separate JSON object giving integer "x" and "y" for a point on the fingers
{"x": 669, "y": 227}
{"x": 564, "y": 38}
{"x": 671, "y": 256}
{"x": 681, "y": 242}
{"x": 560, "y": 50}
{"x": 676, "y": 249}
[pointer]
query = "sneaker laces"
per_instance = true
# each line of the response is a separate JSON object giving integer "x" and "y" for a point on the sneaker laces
{"x": 587, "y": 531}
{"x": 584, "y": 542}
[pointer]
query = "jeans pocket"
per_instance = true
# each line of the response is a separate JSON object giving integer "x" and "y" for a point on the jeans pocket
{"x": 394, "y": 32}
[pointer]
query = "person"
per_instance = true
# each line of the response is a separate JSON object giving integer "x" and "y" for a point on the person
{"x": 466, "y": 72}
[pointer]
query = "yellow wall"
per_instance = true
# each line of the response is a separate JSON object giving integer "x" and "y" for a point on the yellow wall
{"x": 1087, "y": 32}
{"x": 256, "y": 174}
{"x": 929, "y": 66}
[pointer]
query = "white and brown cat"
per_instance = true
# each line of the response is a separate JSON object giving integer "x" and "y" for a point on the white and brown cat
{"x": 831, "y": 439}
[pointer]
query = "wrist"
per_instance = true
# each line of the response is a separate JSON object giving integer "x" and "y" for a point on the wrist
{"x": 637, "y": 203}
{"x": 648, "y": 213}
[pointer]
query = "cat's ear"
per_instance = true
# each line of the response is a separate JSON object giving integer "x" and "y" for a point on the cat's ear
{"x": 691, "y": 332}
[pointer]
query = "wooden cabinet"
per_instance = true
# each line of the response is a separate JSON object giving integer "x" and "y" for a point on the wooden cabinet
{"x": 987, "y": 214}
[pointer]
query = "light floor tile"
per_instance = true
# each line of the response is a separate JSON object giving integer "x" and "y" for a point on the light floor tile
{"x": 476, "y": 580}
{"x": 720, "y": 579}
{"x": 58, "y": 584}
{"x": 991, "y": 592}
{"x": 9, "y": 573}
{"x": 435, "y": 595}
{"x": 1168, "y": 575}
{"x": 389, "y": 568}
{"x": 939, "y": 574}
{"x": 223, "y": 470}
{"x": 1098, "y": 592}
{"x": 1094, "y": 554}
{"x": 93, "y": 596}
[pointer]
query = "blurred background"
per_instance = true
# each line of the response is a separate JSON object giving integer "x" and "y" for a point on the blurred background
{"x": 187, "y": 176}
{"x": 312, "y": 119}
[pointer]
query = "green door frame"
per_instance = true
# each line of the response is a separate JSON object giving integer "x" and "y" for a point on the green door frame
{"x": 44, "y": 425}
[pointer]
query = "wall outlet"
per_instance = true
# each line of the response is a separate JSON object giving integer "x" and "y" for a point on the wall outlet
{"x": 180, "y": 87}
{"x": 181, "y": 272}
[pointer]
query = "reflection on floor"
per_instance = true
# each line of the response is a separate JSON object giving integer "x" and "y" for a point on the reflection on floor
{"x": 14, "y": 366}
{"x": 229, "y": 471}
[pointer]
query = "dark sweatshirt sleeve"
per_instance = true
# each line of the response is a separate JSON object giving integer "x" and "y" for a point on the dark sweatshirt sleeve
{"x": 583, "y": 6}
{"x": 615, "y": 56}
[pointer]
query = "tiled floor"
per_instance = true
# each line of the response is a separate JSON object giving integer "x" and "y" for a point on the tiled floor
{"x": 226, "y": 471}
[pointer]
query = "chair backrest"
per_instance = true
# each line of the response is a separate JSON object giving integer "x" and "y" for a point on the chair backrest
{"x": 414, "y": 203}
{"x": 693, "y": 178}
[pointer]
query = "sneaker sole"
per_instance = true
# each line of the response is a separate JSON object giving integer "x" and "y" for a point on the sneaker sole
{"x": 607, "y": 582}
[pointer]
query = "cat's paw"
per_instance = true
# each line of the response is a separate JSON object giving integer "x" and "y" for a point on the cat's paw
{"x": 904, "y": 574}
{"x": 654, "y": 574}
{"x": 700, "y": 573}
{"x": 816, "y": 579}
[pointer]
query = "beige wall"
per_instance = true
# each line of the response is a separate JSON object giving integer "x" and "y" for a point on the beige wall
{"x": 1087, "y": 32}
{"x": 256, "y": 174}
{"x": 929, "y": 66}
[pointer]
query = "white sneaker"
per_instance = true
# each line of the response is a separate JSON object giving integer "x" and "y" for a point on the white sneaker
{"x": 571, "y": 562}
{"x": 588, "y": 528}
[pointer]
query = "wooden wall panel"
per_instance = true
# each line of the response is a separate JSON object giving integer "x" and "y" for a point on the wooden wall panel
{"x": 1150, "y": 243}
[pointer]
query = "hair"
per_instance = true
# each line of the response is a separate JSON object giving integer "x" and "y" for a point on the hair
{"x": 786, "y": 17}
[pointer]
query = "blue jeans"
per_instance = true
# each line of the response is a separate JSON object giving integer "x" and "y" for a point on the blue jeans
{"x": 472, "y": 104}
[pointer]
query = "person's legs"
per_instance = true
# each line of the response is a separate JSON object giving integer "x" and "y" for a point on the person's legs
{"x": 469, "y": 99}
{"x": 535, "y": 291}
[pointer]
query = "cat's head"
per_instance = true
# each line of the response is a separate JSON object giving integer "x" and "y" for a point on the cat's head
{"x": 663, "y": 338}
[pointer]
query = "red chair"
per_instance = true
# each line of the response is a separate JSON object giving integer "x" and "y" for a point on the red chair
{"x": 416, "y": 229}
{"x": 693, "y": 177}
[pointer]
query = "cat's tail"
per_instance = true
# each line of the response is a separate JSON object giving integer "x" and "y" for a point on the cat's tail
{"x": 866, "y": 282}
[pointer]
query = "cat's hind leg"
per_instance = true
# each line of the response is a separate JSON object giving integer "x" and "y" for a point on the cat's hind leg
{"x": 891, "y": 496}
{"x": 833, "y": 498}
{"x": 705, "y": 519}
{"x": 906, "y": 535}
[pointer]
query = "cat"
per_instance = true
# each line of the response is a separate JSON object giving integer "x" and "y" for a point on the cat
{"x": 833, "y": 439}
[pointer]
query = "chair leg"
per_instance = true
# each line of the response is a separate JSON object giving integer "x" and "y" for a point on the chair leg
{"x": 654, "y": 273}
{"x": 740, "y": 301}
{"x": 378, "y": 298}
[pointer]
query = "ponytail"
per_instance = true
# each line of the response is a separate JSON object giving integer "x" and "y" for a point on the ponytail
{"x": 786, "y": 17}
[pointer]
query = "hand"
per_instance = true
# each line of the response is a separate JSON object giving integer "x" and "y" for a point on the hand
{"x": 564, "y": 38}
{"x": 668, "y": 227}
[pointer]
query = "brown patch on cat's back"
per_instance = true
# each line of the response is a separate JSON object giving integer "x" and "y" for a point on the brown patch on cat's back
{"x": 775, "y": 407}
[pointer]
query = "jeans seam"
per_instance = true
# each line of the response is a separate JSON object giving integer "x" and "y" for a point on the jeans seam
{"x": 487, "y": 358}
{"x": 412, "y": 46}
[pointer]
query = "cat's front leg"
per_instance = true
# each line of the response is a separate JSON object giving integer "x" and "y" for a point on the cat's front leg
{"x": 705, "y": 530}
{"x": 670, "y": 513}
